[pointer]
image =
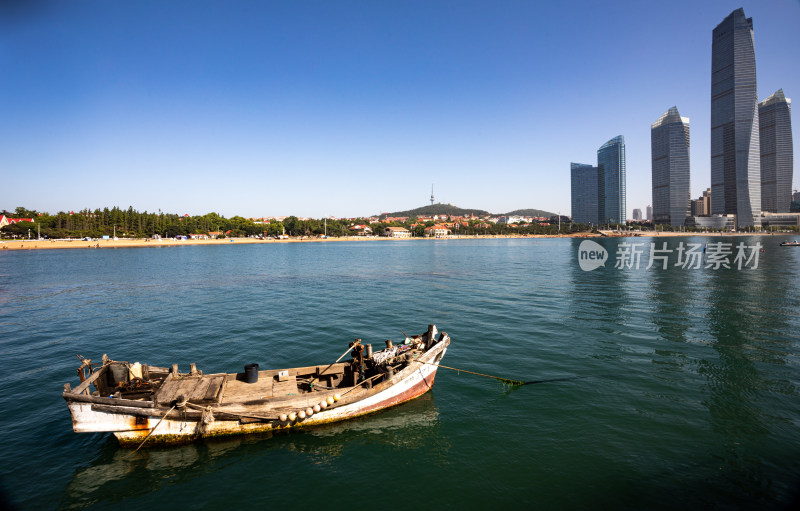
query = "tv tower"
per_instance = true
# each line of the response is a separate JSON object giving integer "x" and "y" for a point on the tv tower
{"x": 432, "y": 194}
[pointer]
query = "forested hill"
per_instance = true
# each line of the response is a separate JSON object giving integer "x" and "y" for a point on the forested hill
{"x": 448, "y": 209}
{"x": 530, "y": 212}
{"x": 436, "y": 209}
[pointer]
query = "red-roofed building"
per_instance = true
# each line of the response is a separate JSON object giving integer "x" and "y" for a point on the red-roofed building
{"x": 361, "y": 230}
{"x": 437, "y": 231}
{"x": 4, "y": 220}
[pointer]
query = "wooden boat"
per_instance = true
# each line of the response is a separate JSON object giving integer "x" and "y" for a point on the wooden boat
{"x": 140, "y": 403}
{"x": 792, "y": 243}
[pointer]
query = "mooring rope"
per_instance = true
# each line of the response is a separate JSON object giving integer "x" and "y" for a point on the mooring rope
{"x": 504, "y": 380}
{"x": 508, "y": 381}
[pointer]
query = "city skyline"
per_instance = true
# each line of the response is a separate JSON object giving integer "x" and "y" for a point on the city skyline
{"x": 318, "y": 110}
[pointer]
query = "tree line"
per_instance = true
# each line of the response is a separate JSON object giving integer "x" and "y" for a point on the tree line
{"x": 129, "y": 223}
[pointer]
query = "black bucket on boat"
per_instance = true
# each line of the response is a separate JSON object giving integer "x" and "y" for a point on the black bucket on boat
{"x": 251, "y": 373}
{"x": 117, "y": 374}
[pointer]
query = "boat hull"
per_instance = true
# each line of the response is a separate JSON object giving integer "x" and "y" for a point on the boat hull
{"x": 133, "y": 426}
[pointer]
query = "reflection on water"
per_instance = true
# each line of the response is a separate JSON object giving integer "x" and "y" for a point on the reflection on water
{"x": 413, "y": 425}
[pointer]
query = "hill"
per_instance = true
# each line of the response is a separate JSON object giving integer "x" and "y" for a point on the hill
{"x": 437, "y": 209}
{"x": 449, "y": 209}
{"x": 530, "y": 212}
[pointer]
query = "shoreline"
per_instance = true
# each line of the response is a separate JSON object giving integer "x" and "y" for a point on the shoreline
{"x": 169, "y": 242}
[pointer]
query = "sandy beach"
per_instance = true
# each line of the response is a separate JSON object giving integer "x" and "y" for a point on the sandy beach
{"x": 169, "y": 242}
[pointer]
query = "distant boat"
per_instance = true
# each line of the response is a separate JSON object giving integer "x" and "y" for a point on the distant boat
{"x": 793, "y": 243}
{"x": 139, "y": 402}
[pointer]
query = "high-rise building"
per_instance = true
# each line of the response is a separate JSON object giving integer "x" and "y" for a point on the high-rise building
{"x": 697, "y": 207}
{"x": 706, "y": 198}
{"x": 702, "y": 205}
{"x": 637, "y": 214}
{"x": 611, "y": 177}
{"x": 584, "y": 194}
{"x": 735, "y": 145}
{"x": 775, "y": 118}
{"x": 649, "y": 212}
{"x": 669, "y": 147}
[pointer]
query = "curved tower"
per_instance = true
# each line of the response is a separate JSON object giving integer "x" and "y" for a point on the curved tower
{"x": 735, "y": 145}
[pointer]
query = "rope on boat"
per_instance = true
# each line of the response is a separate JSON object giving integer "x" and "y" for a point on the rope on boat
{"x": 504, "y": 380}
{"x": 154, "y": 428}
{"x": 515, "y": 383}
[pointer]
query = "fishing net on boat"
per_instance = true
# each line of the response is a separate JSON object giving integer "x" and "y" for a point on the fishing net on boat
{"x": 383, "y": 357}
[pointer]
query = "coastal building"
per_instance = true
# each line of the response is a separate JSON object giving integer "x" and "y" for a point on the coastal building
{"x": 780, "y": 221}
{"x": 637, "y": 214}
{"x": 702, "y": 205}
{"x": 735, "y": 144}
{"x": 360, "y": 230}
{"x": 706, "y": 198}
{"x": 5, "y": 220}
{"x": 696, "y": 207}
{"x": 598, "y": 193}
{"x": 649, "y": 212}
{"x": 611, "y": 177}
{"x": 714, "y": 222}
{"x": 669, "y": 148}
{"x": 777, "y": 157}
{"x": 437, "y": 231}
{"x": 396, "y": 232}
{"x": 585, "y": 189}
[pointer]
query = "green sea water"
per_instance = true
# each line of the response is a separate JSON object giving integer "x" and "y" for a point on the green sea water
{"x": 685, "y": 396}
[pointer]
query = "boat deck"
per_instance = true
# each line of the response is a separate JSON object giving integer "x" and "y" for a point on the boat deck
{"x": 233, "y": 388}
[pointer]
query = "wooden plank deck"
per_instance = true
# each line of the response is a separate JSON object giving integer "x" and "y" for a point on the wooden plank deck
{"x": 193, "y": 388}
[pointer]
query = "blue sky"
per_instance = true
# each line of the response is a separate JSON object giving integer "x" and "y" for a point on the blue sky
{"x": 350, "y": 108}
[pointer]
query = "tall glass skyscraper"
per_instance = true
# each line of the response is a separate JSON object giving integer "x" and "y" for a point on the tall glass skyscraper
{"x": 735, "y": 145}
{"x": 584, "y": 194}
{"x": 669, "y": 148}
{"x": 777, "y": 157}
{"x": 611, "y": 178}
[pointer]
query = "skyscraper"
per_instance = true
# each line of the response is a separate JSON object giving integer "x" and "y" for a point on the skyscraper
{"x": 584, "y": 194}
{"x": 775, "y": 118}
{"x": 735, "y": 145}
{"x": 611, "y": 177}
{"x": 669, "y": 148}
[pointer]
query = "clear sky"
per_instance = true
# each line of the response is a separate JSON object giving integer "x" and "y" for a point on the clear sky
{"x": 352, "y": 108}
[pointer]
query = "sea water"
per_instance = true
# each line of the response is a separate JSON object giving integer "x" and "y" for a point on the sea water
{"x": 681, "y": 384}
